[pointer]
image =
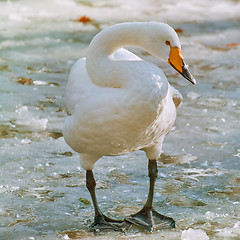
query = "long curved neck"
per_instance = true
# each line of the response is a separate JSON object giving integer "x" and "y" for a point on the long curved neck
{"x": 100, "y": 63}
{"x": 123, "y": 34}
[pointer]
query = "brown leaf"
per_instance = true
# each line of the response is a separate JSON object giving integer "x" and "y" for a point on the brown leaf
{"x": 179, "y": 30}
{"x": 25, "y": 81}
{"x": 85, "y": 201}
{"x": 232, "y": 45}
{"x": 4, "y": 68}
{"x": 84, "y": 19}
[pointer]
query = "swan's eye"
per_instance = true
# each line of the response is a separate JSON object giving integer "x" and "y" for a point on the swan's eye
{"x": 168, "y": 43}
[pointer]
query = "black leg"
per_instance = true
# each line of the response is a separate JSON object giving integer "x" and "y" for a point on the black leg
{"x": 147, "y": 218}
{"x": 91, "y": 186}
{"x": 101, "y": 222}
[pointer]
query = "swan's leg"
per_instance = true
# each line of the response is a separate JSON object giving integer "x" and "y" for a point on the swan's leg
{"x": 147, "y": 218}
{"x": 101, "y": 222}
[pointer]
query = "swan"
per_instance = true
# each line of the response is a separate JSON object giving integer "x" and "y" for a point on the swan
{"x": 117, "y": 103}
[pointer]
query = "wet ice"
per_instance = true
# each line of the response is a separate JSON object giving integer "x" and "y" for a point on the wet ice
{"x": 41, "y": 178}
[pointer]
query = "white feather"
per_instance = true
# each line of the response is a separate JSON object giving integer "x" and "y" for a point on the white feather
{"x": 118, "y": 103}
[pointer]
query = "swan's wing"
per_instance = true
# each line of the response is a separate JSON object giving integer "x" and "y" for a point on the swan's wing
{"x": 78, "y": 83}
{"x": 124, "y": 54}
{"x": 111, "y": 121}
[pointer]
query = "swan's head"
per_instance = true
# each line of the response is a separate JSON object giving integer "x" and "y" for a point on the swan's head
{"x": 166, "y": 45}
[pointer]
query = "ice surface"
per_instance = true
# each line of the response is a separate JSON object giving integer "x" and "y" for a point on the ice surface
{"x": 230, "y": 232}
{"x": 26, "y": 118}
{"x": 196, "y": 234}
{"x": 41, "y": 179}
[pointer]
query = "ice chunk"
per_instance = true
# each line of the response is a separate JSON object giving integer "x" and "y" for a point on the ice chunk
{"x": 210, "y": 215}
{"x": 33, "y": 122}
{"x": 229, "y": 232}
{"x": 22, "y": 110}
{"x": 196, "y": 234}
{"x": 39, "y": 124}
{"x": 26, "y": 141}
{"x": 39, "y": 83}
{"x": 66, "y": 236}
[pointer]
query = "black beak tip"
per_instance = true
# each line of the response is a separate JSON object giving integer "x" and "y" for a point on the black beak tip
{"x": 186, "y": 74}
{"x": 190, "y": 78}
{"x": 194, "y": 81}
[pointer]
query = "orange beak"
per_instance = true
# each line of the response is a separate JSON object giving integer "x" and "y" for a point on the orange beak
{"x": 177, "y": 62}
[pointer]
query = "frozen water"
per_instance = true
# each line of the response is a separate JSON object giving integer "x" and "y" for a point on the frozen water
{"x": 196, "y": 234}
{"x": 230, "y": 232}
{"x": 42, "y": 187}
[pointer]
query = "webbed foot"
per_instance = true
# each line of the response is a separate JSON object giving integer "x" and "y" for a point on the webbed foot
{"x": 104, "y": 223}
{"x": 150, "y": 220}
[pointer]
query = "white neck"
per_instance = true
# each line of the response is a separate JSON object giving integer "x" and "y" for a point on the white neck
{"x": 102, "y": 67}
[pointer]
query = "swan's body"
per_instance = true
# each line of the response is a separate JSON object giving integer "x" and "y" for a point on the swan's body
{"x": 118, "y": 103}
{"x": 114, "y": 121}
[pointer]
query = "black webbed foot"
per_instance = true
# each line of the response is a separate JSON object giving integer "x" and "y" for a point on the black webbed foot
{"x": 150, "y": 220}
{"x": 104, "y": 223}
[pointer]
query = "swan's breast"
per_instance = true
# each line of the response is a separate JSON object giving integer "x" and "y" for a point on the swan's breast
{"x": 113, "y": 121}
{"x": 109, "y": 122}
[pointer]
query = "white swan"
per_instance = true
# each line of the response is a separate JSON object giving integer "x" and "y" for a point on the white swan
{"x": 117, "y": 103}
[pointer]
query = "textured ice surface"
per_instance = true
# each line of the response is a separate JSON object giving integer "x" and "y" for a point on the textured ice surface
{"x": 42, "y": 187}
{"x": 196, "y": 234}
